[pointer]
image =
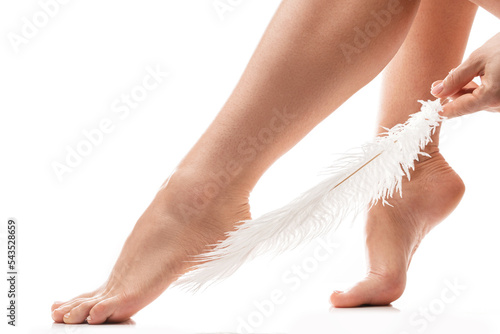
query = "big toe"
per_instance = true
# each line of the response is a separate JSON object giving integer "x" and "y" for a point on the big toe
{"x": 375, "y": 289}
{"x": 106, "y": 311}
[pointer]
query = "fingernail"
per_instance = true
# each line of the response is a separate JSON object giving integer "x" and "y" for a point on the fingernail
{"x": 438, "y": 89}
{"x": 66, "y": 315}
{"x": 89, "y": 318}
{"x": 337, "y": 292}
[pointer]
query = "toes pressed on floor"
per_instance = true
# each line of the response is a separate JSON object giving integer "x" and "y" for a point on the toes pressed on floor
{"x": 370, "y": 291}
{"x": 75, "y": 311}
{"x": 78, "y": 314}
{"x": 58, "y": 313}
{"x": 101, "y": 311}
{"x": 98, "y": 309}
{"x": 349, "y": 299}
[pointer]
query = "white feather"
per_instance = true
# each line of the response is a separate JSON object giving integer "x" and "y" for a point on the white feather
{"x": 355, "y": 182}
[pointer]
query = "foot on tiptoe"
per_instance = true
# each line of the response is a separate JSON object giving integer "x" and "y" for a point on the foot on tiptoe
{"x": 394, "y": 233}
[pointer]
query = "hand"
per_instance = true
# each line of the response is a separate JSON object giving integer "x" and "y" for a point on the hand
{"x": 467, "y": 97}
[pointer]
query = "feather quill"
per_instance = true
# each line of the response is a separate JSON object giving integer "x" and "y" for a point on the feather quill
{"x": 356, "y": 181}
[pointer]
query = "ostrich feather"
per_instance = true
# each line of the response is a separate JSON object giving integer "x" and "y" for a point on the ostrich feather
{"x": 352, "y": 184}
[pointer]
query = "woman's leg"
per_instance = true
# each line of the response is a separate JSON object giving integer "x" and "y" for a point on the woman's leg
{"x": 314, "y": 55}
{"x": 492, "y": 6}
{"x": 435, "y": 44}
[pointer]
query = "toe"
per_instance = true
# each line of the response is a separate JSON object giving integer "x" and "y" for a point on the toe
{"x": 359, "y": 294}
{"x": 78, "y": 314}
{"x": 102, "y": 311}
{"x": 58, "y": 313}
{"x": 58, "y": 304}
{"x": 373, "y": 290}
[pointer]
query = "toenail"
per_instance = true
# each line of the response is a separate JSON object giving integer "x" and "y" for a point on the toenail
{"x": 337, "y": 292}
{"x": 89, "y": 318}
{"x": 66, "y": 315}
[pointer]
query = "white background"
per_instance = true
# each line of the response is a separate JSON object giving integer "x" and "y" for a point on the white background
{"x": 64, "y": 80}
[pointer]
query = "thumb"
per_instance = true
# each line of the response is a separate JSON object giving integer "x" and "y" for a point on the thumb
{"x": 457, "y": 78}
{"x": 468, "y": 101}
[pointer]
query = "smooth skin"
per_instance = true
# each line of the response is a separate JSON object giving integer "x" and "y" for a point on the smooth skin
{"x": 299, "y": 72}
{"x": 436, "y": 42}
{"x": 297, "y": 76}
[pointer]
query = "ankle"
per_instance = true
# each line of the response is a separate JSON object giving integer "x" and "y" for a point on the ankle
{"x": 432, "y": 150}
{"x": 192, "y": 195}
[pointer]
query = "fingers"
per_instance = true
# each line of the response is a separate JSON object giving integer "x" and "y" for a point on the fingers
{"x": 468, "y": 89}
{"x": 465, "y": 102}
{"x": 467, "y": 96}
{"x": 458, "y": 78}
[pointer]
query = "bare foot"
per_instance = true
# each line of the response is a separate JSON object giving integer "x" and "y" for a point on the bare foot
{"x": 394, "y": 233}
{"x": 181, "y": 220}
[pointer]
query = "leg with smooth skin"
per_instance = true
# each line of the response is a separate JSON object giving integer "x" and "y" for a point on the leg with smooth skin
{"x": 313, "y": 56}
{"x": 435, "y": 44}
